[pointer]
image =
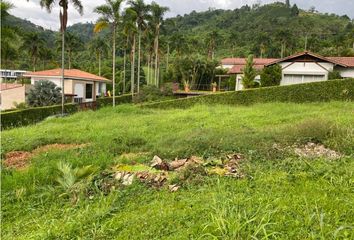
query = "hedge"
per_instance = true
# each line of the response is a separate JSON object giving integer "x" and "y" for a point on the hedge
{"x": 300, "y": 93}
{"x": 28, "y": 116}
{"x": 32, "y": 115}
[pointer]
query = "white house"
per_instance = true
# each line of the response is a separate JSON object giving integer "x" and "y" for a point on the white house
{"x": 299, "y": 68}
{"x": 82, "y": 86}
{"x": 7, "y": 74}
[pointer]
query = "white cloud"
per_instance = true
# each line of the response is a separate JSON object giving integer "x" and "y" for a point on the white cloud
{"x": 32, "y": 11}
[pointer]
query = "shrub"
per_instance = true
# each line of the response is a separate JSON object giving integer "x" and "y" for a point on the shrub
{"x": 334, "y": 75}
{"x": 300, "y": 93}
{"x": 108, "y": 101}
{"x": 271, "y": 76}
{"x": 32, "y": 115}
{"x": 44, "y": 93}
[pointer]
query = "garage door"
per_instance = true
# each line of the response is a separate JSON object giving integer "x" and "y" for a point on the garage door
{"x": 290, "y": 79}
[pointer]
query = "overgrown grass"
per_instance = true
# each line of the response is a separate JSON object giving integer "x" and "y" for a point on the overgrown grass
{"x": 282, "y": 196}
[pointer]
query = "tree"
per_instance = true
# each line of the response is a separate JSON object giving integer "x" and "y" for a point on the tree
{"x": 249, "y": 73}
{"x": 157, "y": 13}
{"x": 211, "y": 39}
{"x": 271, "y": 76}
{"x": 142, "y": 14}
{"x": 295, "y": 11}
{"x": 33, "y": 43}
{"x": 44, "y": 93}
{"x": 64, "y": 5}
{"x": 100, "y": 47}
{"x": 110, "y": 16}
{"x": 287, "y": 3}
{"x": 335, "y": 74}
{"x": 72, "y": 44}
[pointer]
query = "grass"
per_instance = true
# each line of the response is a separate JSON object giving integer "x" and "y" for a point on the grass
{"x": 282, "y": 196}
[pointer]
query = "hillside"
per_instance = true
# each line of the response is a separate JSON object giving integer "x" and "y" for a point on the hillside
{"x": 280, "y": 186}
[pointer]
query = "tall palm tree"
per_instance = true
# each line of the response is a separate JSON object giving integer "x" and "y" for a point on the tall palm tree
{"x": 110, "y": 16}
{"x": 64, "y": 5}
{"x": 72, "y": 44}
{"x": 33, "y": 43}
{"x": 100, "y": 47}
{"x": 157, "y": 14}
{"x": 130, "y": 30}
{"x": 142, "y": 14}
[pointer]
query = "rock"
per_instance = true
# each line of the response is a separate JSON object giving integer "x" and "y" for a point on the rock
{"x": 175, "y": 165}
{"x": 173, "y": 188}
{"x": 128, "y": 179}
{"x": 159, "y": 164}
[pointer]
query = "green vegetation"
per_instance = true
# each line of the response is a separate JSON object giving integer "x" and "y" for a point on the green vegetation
{"x": 271, "y": 76}
{"x": 282, "y": 195}
{"x": 342, "y": 90}
{"x": 249, "y": 74}
{"x": 43, "y": 93}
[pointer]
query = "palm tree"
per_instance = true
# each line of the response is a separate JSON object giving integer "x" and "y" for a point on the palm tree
{"x": 157, "y": 13}
{"x": 72, "y": 44}
{"x": 130, "y": 30}
{"x": 100, "y": 47}
{"x": 142, "y": 14}
{"x": 64, "y": 5}
{"x": 110, "y": 16}
{"x": 33, "y": 43}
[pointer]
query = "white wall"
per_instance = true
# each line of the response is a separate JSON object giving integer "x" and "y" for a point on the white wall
{"x": 301, "y": 72}
{"x": 346, "y": 72}
{"x": 239, "y": 85}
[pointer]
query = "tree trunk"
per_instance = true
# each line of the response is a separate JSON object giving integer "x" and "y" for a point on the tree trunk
{"x": 132, "y": 74}
{"x": 69, "y": 58}
{"x": 139, "y": 61}
{"x": 124, "y": 69}
{"x": 148, "y": 71}
{"x": 167, "y": 57}
{"x": 114, "y": 65}
{"x": 99, "y": 63}
{"x": 156, "y": 59}
{"x": 62, "y": 70}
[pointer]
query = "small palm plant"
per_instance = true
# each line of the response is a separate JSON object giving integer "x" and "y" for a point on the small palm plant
{"x": 70, "y": 179}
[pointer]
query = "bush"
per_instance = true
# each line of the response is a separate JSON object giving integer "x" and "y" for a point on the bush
{"x": 44, "y": 93}
{"x": 334, "y": 75}
{"x": 299, "y": 93}
{"x": 271, "y": 76}
{"x": 108, "y": 101}
{"x": 32, "y": 115}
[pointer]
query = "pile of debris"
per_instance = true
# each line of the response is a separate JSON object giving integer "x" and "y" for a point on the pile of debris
{"x": 313, "y": 150}
{"x": 160, "y": 172}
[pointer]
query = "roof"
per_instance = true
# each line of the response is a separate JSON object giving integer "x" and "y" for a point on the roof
{"x": 239, "y": 68}
{"x": 68, "y": 73}
{"x": 349, "y": 61}
{"x": 7, "y": 86}
{"x": 306, "y": 53}
{"x": 242, "y": 61}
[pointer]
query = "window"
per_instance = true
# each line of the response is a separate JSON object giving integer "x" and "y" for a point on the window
{"x": 88, "y": 91}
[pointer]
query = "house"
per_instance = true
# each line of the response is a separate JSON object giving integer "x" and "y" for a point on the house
{"x": 82, "y": 86}
{"x": 302, "y": 67}
{"x": 11, "y": 93}
{"x": 236, "y": 65}
{"x": 6, "y": 74}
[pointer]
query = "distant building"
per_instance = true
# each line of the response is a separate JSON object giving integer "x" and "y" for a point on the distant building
{"x": 11, "y": 93}
{"x": 299, "y": 68}
{"x": 6, "y": 74}
{"x": 82, "y": 86}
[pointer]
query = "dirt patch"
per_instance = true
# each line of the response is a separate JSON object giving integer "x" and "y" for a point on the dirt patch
{"x": 56, "y": 146}
{"x": 313, "y": 150}
{"x": 21, "y": 159}
{"x": 17, "y": 159}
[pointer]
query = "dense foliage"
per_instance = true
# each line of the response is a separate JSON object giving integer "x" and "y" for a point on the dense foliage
{"x": 299, "y": 93}
{"x": 271, "y": 76}
{"x": 43, "y": 93}
{"x": 271, "y": 30}
{"x": 249, "y": 73}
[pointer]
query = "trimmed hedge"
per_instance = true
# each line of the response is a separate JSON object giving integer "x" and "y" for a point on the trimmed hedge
{"x": 29, "y": 116}
{"x": 33, "y": 115}
{"x": 340, "y": 90}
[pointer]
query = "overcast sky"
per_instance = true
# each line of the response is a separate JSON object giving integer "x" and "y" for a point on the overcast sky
{"x": 31, "y": 10}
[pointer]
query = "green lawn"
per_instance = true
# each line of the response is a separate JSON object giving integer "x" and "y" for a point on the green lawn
{"x": 281, "y": 197}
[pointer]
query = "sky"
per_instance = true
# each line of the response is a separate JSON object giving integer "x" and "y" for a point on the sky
{"x": 31, "y": 10}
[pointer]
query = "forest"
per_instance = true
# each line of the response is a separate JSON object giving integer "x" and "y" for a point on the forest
{"x": 198, "y": 39}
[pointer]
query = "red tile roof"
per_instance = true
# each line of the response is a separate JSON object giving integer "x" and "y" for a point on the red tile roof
{"x": 325, "y": 59}
{"x": 68, "y": 73}
{"x": 239, "y": 68}
{"x": 7, "y": 86}
{"x": 242, "y": 61}
{"x": 349, "y": 61}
